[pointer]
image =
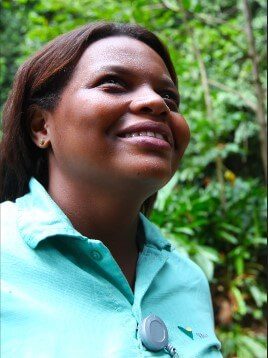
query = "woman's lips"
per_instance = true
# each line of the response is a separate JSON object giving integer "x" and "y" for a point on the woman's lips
{"x": 147, "y": 142}
{"x": 147, "y": 129}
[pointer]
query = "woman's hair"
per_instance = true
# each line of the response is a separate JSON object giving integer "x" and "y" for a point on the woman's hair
{"x": 39, "y": 82}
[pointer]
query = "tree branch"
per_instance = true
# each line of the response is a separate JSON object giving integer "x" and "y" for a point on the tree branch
{"x": 228, "y": 89}
{"x": 211, "y": 20}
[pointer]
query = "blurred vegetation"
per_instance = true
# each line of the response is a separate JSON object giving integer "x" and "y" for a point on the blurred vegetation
{"x": 214, "y": 209}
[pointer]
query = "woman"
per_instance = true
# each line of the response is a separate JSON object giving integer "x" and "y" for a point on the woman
{"x": 91, "y": 132}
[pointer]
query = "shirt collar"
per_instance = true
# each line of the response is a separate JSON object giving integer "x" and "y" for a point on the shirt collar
{"x": 39, "y": 218}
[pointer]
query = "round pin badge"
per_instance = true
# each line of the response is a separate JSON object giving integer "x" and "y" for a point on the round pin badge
{"x": 153, "y": 333}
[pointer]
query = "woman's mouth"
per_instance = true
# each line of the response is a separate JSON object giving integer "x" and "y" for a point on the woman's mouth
{"x": 144, "y": 134}
{"x": 149, "y": 134}
{"x": 147, "y": 139}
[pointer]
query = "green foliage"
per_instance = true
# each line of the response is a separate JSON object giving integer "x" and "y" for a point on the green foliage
{"x": 214, "y": 209}
{"x": 244, "y": 343}
{"x": 229, "y": 245}
{"x": 231, "y": 240}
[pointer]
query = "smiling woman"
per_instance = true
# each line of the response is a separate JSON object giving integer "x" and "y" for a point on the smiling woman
{"x": 91, "y": 132}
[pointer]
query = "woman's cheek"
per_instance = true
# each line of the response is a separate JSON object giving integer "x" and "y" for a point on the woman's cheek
{"x": 182, "y": 134}
{"x": 99, "y": 113}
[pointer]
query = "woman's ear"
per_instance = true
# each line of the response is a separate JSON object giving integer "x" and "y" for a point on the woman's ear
{"x": 39, "y": 128}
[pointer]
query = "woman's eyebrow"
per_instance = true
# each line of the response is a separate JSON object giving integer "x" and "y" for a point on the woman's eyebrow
{"x": 115, "y": 68}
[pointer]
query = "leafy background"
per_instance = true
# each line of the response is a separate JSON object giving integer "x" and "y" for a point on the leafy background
{"x": 214, "y": 209}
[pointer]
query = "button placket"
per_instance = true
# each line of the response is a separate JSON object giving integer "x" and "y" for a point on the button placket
{"x": 102, "y": 256}
{"x": 151, "y": 261}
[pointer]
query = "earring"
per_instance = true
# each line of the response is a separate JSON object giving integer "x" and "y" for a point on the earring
{"x": 42, "y": 142}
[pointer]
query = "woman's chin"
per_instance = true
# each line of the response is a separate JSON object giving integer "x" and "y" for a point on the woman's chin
{"x": 152, "y": 174}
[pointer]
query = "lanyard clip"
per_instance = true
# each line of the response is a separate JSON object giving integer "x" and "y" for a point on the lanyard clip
{"x": 154, "y": 335}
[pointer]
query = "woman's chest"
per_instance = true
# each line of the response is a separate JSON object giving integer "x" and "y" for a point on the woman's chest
{"x": 73, "y": 312}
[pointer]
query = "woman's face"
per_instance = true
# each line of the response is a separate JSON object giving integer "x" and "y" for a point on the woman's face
{"x": 117, "y": 121}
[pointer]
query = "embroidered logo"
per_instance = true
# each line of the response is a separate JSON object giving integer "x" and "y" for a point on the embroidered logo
{"x": 188, "y": 331}
{"x": 202, "y": 335}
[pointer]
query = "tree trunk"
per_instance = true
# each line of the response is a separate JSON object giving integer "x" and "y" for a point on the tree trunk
{"x": 260, "y": 110}
{"x": 208, "y": 101}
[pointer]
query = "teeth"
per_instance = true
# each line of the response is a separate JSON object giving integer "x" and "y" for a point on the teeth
{"x": 159, "y": 136}
{"x": 144, "y": 134}
{"x": 150, "y": 134}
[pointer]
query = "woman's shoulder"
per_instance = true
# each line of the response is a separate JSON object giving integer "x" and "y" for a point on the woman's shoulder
{"x": 191, "y": 271}
{"x": 8, "y": 212}
{"x": 8, "y": 215}
{"x": 177, "y": 260}
{"x": 182, "y": 259}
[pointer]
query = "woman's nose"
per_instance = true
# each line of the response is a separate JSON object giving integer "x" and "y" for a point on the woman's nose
{"x": 150, "y": 103}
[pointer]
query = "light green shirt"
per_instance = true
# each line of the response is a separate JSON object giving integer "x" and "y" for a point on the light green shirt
{"x": 64, "y": 295}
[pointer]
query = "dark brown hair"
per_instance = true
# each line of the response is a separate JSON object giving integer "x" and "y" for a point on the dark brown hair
{"x": 40, "y": 82}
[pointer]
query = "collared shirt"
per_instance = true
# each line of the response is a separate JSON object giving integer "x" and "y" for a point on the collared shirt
{"x": 63, "y": 294}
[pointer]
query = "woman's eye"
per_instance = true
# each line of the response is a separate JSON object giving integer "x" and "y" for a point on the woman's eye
{"x": 166, "y": 96}
{"x": 171, "y": 100}
{"x": 112, "y": 82}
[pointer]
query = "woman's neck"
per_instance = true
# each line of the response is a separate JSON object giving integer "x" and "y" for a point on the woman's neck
{"x": 111, "y": 217}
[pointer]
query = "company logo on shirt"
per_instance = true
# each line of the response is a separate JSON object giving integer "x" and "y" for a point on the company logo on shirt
{"x": 188, "y": 331}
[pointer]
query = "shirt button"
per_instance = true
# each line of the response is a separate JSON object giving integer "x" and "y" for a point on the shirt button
{"x": 96, "y": 255}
